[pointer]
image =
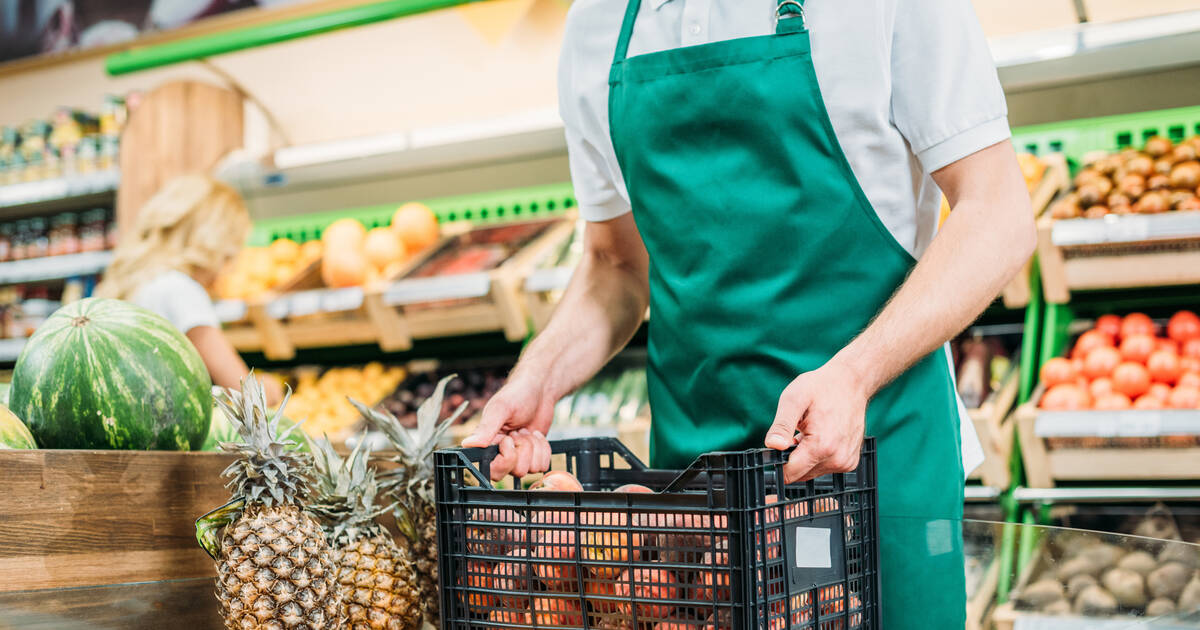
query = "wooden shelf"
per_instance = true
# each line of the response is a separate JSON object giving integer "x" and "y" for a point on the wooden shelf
{"x": 60, "y": 193}
{"x": 994, "y": 425}
{"x": 54, "y": 267}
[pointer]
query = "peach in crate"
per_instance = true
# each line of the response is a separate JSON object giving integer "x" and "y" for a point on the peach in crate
{"x": 478, "y": 577}
{"x": 610, "y": 547}
{"x": 557, "y": 611}
{"x": 512, "y": 575}
{"x": 501, "y": 531}
{"x": 653, "y": 592}
{"x": 555, "y": 560}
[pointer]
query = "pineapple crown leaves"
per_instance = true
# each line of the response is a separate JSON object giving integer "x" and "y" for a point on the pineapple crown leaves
{"x": 415, "y": 452}
{"x": 345, "y": 492}
{"x": 269, "y": 471}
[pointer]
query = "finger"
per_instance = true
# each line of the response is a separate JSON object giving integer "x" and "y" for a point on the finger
{"x": 495, "y": 414}
{"x": 802, "y": 461}
{"x": 793, "y": 403}
{"x": 544, "y": 452}
{"x": 503, "y": 463}
{"x": 524, "y": 445}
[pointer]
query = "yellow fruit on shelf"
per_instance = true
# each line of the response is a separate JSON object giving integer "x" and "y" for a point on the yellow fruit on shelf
{"x": 284, "y": 250}
{"x": 321, "y": 400}
{"x": 345, "y": 268}
{"x": 382, "y": 247}
{"x": 415, "y": 225}
{"x": 311, "y": 251}
{"x": 344, "y": 232}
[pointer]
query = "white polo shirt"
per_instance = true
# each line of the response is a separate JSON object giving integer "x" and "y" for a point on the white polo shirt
{"x": 910, "y": 87}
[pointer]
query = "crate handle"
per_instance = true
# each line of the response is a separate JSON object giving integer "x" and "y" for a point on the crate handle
{"x": 700, "y": 464}
{"x": 478, "y": 460}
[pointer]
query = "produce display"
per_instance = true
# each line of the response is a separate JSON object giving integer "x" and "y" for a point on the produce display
{"x": 275, "y": 567}
{"x": 476, "y": 383}
{"x": 73, "y": 142}
{"x": 1128, "y": 363}
{"x": 320, "y": 397}
{"x": 1159, "y": 178}
{"x": 13, "y": 433}
{"x": 611, "y": 398}
{"x": 982, "y": 364}
{"x": 257, "y": 270}
{"x": 1152, "y": 573}
{"x": 106, "y": 374}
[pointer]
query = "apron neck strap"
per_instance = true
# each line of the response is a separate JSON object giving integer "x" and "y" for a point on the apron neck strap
{"x": 789, "y": 17}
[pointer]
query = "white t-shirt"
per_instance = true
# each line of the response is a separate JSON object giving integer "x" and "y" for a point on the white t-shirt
{"x": 180, "y": 299}
{"x": 910, "y": 88}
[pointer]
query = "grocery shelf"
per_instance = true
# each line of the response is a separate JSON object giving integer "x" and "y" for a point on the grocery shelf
{"x": 1129, "y": 228}
{"x": 76, "y": 191}
{"x": 54, "y": 267}
{"x": 1105, "y": 494}
{"x": 981, "y": 494}
{"x": 10, "y": 349}
{"x": 1097, "y": 50}
{"x": 1127, "y": 423}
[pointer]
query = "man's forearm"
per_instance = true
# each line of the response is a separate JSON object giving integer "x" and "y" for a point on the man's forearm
{"x": 984, "y": 242}
{"x": 598, "y": 314}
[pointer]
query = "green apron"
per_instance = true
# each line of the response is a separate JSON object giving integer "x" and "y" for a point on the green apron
{"x": 766, "y": 258}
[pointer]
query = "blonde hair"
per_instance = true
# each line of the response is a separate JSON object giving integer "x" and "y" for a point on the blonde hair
{"x": 194, "y": 223}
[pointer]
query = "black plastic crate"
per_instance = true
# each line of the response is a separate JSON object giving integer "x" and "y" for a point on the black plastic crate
{"x": 712, "y": 547}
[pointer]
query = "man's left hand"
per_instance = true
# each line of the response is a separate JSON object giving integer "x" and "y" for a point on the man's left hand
{"x": 822, "y": 413}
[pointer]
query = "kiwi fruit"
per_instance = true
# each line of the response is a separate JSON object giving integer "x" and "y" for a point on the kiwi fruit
{"x": 1160, "y": 607}
{"x": 1182, "y": 553}
{"x": 1040, "y": 593}
{"x": 1189, "y": 599}
{"x": 1139, "y": 165}
{"x": 1185, "y": 175}
{"x": 1076, "y": 584}
{"x": 1128, "y": 587}
{"x": 1094, "y": 600}
{"x": 1158, "y": 181}
{"x": 1078, "y": 565}
{"x": 1168, "y": 580}
{"x": 1095, "y": 212}
{"x": 1131, "y": 185}
{"x": 1139, "y": 562}
{"x": 1152, "y": 203}
{"x": 1158, "y": 146}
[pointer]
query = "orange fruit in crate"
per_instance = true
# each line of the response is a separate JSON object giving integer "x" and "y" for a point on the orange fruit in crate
{"x": 344, "y": 268}
{"x": 1184, "y": 398}
{"x": 1137, "y": 347}
{"x": 1066, "y": 397}
{"x": 1137, "y": 324}
{"x": 1112, "y": 401}
{"x": 1164, "y": 366}
{"x": 1131, "y": 379}
{"x": 1109, "y": 324}
{"x": 1148, "y": 401}
{"x": 1183, "y": 325}
{"x": 284, "y": 250}
{"x": 382, "y": 247}
{"x": 1089, "y": 341}
{"x": 344, "y": 232}
{"x": 1057, "y": 371}
{"x": 415, "y": 225}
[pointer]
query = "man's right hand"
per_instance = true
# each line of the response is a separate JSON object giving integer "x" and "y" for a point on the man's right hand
{"x": 517, "y": 419}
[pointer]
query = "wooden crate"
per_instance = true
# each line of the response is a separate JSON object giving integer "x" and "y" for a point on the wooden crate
{"x": 1119, "y": 252}
{"x": 543, "y": 285}
{"x": 87, "y": 518}
{"x": 274, "y": 329}
{"x": 1044, "y": 466}
{"x": 142, "y": 606}
{"x": 1055, "y": 179}
{"x": 994, "y": 424}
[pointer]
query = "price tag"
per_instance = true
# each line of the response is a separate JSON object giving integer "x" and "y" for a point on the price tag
{"x": 338, "y": 300}
{"x": 1125, "y": 228}
{"x": 304, "y": 303}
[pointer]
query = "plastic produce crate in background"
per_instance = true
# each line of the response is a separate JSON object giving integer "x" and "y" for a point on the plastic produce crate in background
{"x": 1076, "y": 138}
{"x": 723, "y": 545}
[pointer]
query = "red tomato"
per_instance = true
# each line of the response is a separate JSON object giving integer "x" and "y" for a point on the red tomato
{"x": 1169, "y": 345}
{"x": 1184, "y": 398}
{"x": 1183, "y": 325}
{"x": 1109, "y": 324}
{"x": 1191, "y": 348}
{"x": 1113, "y": 401}
{"x": 1147, "y": 402}
{"x": 1101, "y": 362}
{"x": 1077, "y": 363}
{"x": 1189, "y": 379}
{"x": 1137, "y": 324}
{"x": 1137, "y": 348}
{"x": 1159, "y": 391}
{"x": 1089, "y": 341}
{"x": 1100, "y": 387}
{"x": 1189, "y": 364}
{"x": 1131, "y": 379}
{"x": 1163, "y": 366}
{"x": 1058, "y": 370}
{"x": 1065, "y": 397}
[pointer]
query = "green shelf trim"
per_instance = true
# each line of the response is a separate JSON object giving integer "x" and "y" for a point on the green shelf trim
{"x": 489, "y": 207}
{"x": 1076, "y": 138}
{"x": 143, "y": 58}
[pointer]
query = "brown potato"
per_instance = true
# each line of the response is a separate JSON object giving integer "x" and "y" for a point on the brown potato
{"x": 1065, "y": 208}
{"x": 1138, "y": 561}
{"x": 1158, "y": 146}
{"x": 1090, "y": 193}
{"x": 1131, "y": 185}
{"x": 1151, "y": 203}
{"x": 1140, "y": 165}
{"x": 1095, "y": 212}
{"x": 1040, "y": 593}
{"x": 1184, "y": 152}
{"x": 1076, "y": 566}
{"x": 1168, "y": 580}
{"x": 1163, "y": 166}
{"x": 1087, "y": 175}
{"x": 1103, "y": 554}
{"x": 1160, "y": 607}
{"x": 1185, "y": 175}
{"x": 1095, "y": 601}
{"x": 1076, "y": 585}
{"x": 1189, "y": 600}
{"x": 1108, "y": 164}
{"x": 1128, "y": 587}
{"x": 1191, "y": 203}
{"x": 1181, "y": 553}
{"x": 1157, "y": 181}
{"x": 1057, "y": 607}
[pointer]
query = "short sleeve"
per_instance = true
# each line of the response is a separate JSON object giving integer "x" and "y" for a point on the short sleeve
{"x": 180, "y": 300}
{"x": 946, "y": 95}
{"x": 583, "y": 106}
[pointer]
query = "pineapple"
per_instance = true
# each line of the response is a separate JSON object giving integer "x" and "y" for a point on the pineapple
{"x": 274, "y": 567}
{"x": 410, "y": 485}
{"x": 378, "y": 582}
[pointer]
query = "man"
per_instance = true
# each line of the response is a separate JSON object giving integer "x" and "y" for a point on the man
{"x": 782, "y": 160}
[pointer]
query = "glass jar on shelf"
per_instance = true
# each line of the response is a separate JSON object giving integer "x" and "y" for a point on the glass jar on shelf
{"x": 38, "y": 245}
{"x": 17, "y": 248}
{"x": 65, "y": 237}
{"x": 110, "y": 230}
{"x": 92, "y": 231}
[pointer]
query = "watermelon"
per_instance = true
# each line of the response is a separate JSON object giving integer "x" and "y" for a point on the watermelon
{"x": 106, "y": 374}
{"x": 13, "y": 432}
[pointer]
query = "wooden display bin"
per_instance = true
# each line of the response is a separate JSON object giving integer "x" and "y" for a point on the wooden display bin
{"x": 994, "y": 425}
{"x": 394, "y": 313}
{"x": 1118, "y": 252}
{"x": 1129, "y": 445}
{"x": 90, "y": 518}
{"x": 1055, "y": 179}
{"x": 543, "y": 285}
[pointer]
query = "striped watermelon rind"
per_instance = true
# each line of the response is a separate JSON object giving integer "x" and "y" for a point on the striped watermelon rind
{"x": 107, "y": 374}
{"x": 13, "y": 433}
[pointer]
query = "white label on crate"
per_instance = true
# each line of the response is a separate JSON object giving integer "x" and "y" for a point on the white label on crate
{"x": 812, "y": 548}
{"x": 1130, "y": 424}
{"x": 1126, "y": 228}
{"x": 305, "y": 303}
{"x": 337, "y": 300}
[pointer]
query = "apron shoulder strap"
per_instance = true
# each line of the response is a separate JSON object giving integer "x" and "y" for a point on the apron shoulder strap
{"x": 631, "y": 11}
{"x": 789, "y": 17}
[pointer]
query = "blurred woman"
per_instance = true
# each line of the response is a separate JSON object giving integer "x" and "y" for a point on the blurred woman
{"x": 169, "y": 259}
